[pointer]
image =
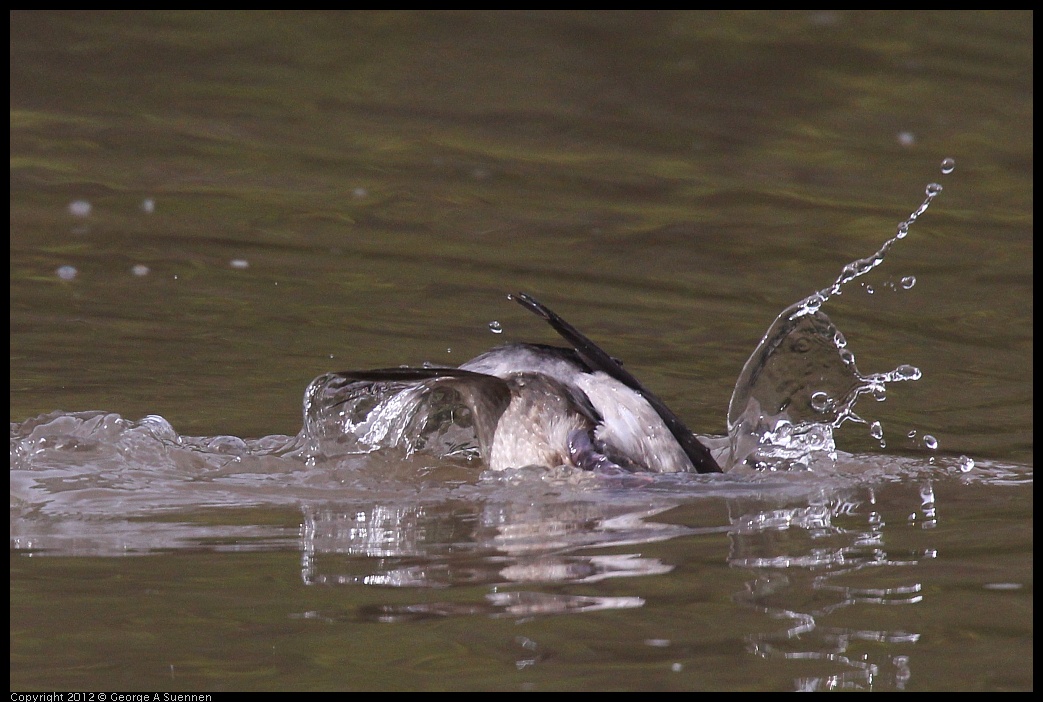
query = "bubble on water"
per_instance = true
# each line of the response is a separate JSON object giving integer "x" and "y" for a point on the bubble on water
{"x": 930, "y": 442}
{"x": 67, "y": 272}
{"x": 140, "y": 270}
{"x": 908, "y": 281}
{"x": 495, "y": 327}
{"x": 965, "y": 463}
{"x": 948, "y": 164}
{"x": 80, "y": 208}
{"x": 933, "y": 189}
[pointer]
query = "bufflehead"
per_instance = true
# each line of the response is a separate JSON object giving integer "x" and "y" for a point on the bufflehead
{"x": 535, "y": 404}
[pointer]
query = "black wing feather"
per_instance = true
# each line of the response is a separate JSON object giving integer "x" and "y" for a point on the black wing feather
{"x": 597, "y": 359}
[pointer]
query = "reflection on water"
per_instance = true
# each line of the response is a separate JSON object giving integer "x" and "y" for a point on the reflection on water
{"x": 806, "y": 564}
{"x": 827, "y": 556}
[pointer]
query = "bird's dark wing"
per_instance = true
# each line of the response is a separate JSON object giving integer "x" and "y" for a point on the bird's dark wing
{"x": 597, "y": 359}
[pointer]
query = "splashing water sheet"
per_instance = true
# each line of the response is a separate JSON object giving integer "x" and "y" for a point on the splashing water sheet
{"x": 801, "y": 383}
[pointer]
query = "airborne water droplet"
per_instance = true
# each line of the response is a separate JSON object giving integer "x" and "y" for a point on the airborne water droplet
{"x": 80, "y": 208}
{"x": 930, "y": 442}
{"x": 966, "y": 464}
{"x": 933, "y": 189}
{"x": 903, "y": 230}
{"x": 495, "y": 327}
{"x": 876, "y": 430}
{"x": 908, "y": 281}
{"x": 948, "y": 164}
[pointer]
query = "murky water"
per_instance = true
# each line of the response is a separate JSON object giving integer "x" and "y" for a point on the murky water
{"x": 208, "y": 211}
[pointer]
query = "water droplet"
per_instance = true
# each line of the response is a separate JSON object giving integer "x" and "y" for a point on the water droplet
{"x": 495, "y": 327}
{"x": 869, "y": 289}
{"x": 930, "y": 442}
{"x": 820, "y": 402}
{"x": 933, "y": 189}
{"x": 965, "y": 463}
{"x": 911, "y": 434}
{"x": 903, "y": 230}
{"x": 140, "y": 270}
{"x": 813, "y": 303}
{"x": 907, "y": 372}
{"x": 67, "y": 272}
{"x": 880, "y": 393}
{"x": 948, "y": 164}
{"x": 239, "y": 263}
{"x": 876, "y": 430}
{"x": 906, "y": 138}
{"x": 80, "y": 208}
{"x": 148, "y": 205}
{"x": 908, "y": 281}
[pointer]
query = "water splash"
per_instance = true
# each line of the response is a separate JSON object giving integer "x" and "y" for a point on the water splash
{"x": 801, "y": 382}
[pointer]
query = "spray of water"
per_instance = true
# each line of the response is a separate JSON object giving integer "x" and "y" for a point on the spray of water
{"x": 801, "y": 382}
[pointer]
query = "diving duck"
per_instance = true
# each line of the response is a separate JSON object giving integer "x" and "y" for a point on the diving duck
{"x": 536, "y": 404}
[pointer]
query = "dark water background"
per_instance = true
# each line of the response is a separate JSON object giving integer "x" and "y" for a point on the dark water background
{"x": 311, "y": 192}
